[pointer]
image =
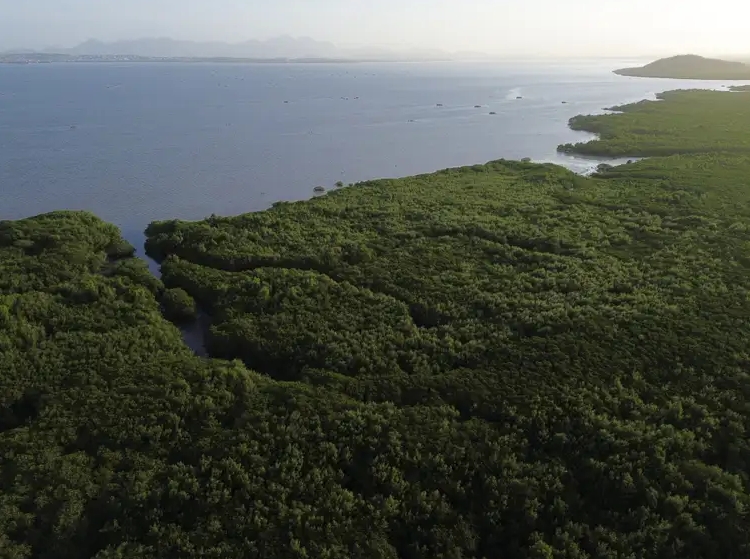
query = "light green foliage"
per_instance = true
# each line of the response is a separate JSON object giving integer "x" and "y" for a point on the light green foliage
{"x": 683, "y": 122}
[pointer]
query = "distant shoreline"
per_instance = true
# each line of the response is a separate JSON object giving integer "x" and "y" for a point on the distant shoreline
{"x": 42, "y": 58}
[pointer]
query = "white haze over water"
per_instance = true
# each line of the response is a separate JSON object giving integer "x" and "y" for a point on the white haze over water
{"x": 515, "y": 28}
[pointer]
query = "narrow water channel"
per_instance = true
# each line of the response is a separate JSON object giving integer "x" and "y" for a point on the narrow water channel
{"x": 193, "y": 334}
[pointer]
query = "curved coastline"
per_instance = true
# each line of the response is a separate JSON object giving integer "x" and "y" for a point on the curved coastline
{"x": 500, "y": 359}
{"x": 579, "y": 150}
{"x": 601, "y": 162}
{"x": 641, "y": 142}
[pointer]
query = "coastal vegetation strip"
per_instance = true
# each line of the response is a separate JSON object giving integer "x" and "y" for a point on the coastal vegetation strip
{"x": 680, "y": 122}
{"x": 499, "y": 360}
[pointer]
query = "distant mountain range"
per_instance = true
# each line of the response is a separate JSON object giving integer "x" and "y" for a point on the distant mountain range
{"x": 279, "y": 47}
{"x": 690, "y": 67}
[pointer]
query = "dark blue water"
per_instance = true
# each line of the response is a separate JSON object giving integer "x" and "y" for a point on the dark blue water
{"x": 138, "y": 142}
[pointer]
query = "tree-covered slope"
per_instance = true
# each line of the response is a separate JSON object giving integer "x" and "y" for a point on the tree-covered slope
{"x": 690, "y": 67}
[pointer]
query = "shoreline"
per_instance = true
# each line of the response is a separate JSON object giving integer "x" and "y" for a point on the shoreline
{"x": 137, "y": 236}
{"x": 194, "y": 335}
{"x": 441, "y": 351}
{"x": 593, "y": 159}
{"x": 604, "y": 128}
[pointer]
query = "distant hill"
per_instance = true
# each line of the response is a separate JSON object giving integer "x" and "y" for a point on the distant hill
{"x": 690, "y": 67}
{"x": 279, "y": 47}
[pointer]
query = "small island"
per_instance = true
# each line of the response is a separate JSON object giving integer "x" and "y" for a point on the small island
{"x": 690, "y": 67}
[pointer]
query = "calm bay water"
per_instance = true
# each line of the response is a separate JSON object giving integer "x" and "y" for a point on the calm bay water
{"x": 138, "y": 142}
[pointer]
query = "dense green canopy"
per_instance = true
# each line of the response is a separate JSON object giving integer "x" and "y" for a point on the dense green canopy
{"x": 505, "y": 360}
{"x": 178, "y": 306}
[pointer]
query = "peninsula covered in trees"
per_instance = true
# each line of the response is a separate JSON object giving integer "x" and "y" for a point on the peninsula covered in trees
{"x": 690, "y": 67}
{"x": 503, "y": 360}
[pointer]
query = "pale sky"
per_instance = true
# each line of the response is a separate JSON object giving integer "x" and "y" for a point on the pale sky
{"x": 505, "y": 27}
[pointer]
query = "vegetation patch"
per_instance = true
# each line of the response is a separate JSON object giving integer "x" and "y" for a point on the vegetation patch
{"x": 178, "y": 306}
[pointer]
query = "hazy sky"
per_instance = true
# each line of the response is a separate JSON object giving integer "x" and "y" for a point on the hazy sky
{"x": 561, "y": 27}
